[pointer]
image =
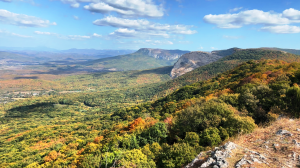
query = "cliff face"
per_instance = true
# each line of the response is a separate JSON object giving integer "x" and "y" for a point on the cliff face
{"x": 191, "y": 61}
{"x": 162, "y": 54}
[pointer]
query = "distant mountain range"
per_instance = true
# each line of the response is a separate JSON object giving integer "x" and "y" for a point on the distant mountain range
{"x": 145, "y": 58}
{"x": 35, "y": 50}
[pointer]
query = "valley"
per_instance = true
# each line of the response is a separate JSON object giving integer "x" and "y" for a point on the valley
{"x": 63, "y": 117}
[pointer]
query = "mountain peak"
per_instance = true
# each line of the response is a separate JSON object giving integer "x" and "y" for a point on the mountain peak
{"x": 162, "y": 54}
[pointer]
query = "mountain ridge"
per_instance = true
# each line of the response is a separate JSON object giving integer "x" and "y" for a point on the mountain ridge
{"x": 195, "y": 59}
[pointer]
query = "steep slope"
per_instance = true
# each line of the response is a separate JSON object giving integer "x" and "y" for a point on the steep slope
{"x": 226, "y": 63}
{"x": 193, "y": 60}
{"x": 142, "y": 59}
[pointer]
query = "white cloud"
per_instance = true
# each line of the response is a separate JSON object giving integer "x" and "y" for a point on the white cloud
{"x": 97, "y": 35}
{"x": 133, "y": 27}
{"x": 6, "y": 0}
{"x": 270, "y": 21}
{"x": 44, "y": 33}
{"x": 73, "y": 3}
{"x": 232, "y": 37}
{"x": 130, "y": 8}
{"x": 19, "y": 35}
{"x": 282, "y": 29}
{"x": 124, "y": 33}
{"x": 68, "y": 37}
{"x": 249, "y": 17}
{"x": 76, "y": 17}
{"x": 127, "y": 33}
{"x": 213, "y": 48}
{"x": 120, "y": 22}
{"x": 235, "y": 9}
{"x": 78, "y": 37}
{"x": 23, "y": 20}
{"x": 291, "y": 14}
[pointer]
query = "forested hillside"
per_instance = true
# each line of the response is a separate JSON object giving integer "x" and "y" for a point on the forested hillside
{"x": 166, "y": 133}
{"x": 140, "y": 60}
{"x": 112, "y": 125}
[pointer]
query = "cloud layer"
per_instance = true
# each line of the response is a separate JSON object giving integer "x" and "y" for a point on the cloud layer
{"x": 23, "y": 20}
{"x": 128, "y": 8}
{"x": 273, "y": 22}
{"x": 69, "y": 37}
{"x": 134, "y": 28}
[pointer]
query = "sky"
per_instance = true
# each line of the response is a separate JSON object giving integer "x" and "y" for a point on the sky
{"x": 194, "y": 25}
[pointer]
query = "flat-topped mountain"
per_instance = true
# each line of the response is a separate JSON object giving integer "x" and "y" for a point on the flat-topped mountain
{"x": 145, "y": 58}
{"x": 193, "y": 60}
{"x": 162, "y": 54}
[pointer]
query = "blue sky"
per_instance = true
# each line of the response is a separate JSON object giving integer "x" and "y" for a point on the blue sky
{"x": 132, "y": 24}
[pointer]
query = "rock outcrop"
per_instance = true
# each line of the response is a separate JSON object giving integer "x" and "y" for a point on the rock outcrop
{"x": 191, "y": 61}
{"x": 218, "y": 158}
{"x": 162, "y": 54}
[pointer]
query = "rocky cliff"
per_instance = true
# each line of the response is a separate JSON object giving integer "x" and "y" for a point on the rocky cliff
{"x": 193, "y": 60}
{"x": 162, "y": 54}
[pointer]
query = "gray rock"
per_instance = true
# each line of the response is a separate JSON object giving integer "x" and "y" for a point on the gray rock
{"x": 284, "y": 132}
{"x": 242, "y": 162}
{"x": 210, "y": 161}
{"x": 255, "y": 157}
{"x": 230, "y": 146}
{"x": 294, "y": 155}
{"x": 295, "y": 143}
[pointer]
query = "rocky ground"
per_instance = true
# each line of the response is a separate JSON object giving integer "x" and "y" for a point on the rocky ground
{"x": 277, "y": 145}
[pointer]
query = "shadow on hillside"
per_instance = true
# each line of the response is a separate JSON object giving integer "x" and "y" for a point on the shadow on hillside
{"x": 26, "y": 77}
{"x": 26, "y": 111}
{"x": 162, "y": 70}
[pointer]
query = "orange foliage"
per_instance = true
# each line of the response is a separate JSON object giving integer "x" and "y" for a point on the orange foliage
{"x": 224, "y": 91}
{"x": 43, "y": 145}
{"x": 210, "y": 96}
{"x": 169, "y": 121}
{"x": 80, "y": 151}
{"x": 18, "y": 135}
{"x": 51, "y": 156}
{"x": 137, "y": 123}
{"x": 97, "y": 140}
{"x": 150, "y": 122}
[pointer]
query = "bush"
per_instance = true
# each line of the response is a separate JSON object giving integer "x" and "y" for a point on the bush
{"x": 210, "y": 137}
{"x": 176, "y": 155}
{"x": 135, "y": 158}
